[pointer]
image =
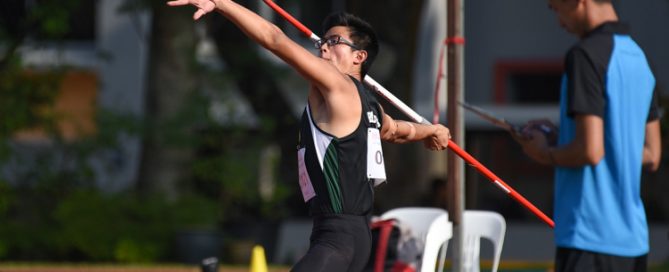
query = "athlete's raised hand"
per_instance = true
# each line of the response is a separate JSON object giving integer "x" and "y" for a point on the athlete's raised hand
{"x": 438, "y": 139}
{"x": 203, "y": 6}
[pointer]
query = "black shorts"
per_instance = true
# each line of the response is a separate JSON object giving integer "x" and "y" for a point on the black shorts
{"x": 338, "y": 243}
{"x": 576, "y": 260}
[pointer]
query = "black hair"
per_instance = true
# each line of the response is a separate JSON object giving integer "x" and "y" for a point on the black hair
{"x": 362, "y": 35}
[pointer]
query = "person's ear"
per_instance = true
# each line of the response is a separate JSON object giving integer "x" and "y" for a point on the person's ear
{"x": 360, "y": 56}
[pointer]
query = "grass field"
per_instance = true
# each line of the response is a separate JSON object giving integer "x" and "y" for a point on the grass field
{"x": 15, "y": 267}
{"x": 121, "y": 268}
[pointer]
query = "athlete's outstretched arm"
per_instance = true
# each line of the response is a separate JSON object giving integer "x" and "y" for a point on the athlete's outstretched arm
{"x": 434, "y": 137}
{"x": 318, "y": 71}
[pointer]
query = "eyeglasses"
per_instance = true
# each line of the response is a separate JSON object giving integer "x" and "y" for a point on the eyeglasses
{"x": 334, "y": 40}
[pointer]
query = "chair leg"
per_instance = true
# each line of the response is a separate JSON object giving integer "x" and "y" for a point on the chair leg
{"x": 442, "y": 257}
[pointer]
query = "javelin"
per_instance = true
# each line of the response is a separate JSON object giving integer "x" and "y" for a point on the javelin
{"x": 380, "y": 90}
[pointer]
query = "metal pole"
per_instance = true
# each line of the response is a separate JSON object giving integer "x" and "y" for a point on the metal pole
{"x": 455, "y": 85}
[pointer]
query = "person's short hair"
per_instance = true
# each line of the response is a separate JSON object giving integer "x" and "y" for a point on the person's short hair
{"x": 362, "y": 35}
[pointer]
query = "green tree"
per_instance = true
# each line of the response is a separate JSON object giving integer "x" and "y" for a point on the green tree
{"x": 45, "y": 177}
{"x": 172, "y": 83}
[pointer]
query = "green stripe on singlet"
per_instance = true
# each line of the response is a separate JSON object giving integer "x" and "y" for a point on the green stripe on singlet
{"x": 331, "y": 172}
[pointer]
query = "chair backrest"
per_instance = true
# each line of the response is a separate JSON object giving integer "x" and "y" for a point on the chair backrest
{"x": 477, "y": 225}
{"x": 429, "y": 225}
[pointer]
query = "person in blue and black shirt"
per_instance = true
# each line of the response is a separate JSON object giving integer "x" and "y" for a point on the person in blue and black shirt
{"x": 609, "y": 132}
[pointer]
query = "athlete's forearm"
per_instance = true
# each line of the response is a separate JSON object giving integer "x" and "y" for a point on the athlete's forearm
{"x": 253, "y": 25}
{"x": 316, "y": 70}
{"x": 404, "y": 131}
{"x": 423, "y": 131}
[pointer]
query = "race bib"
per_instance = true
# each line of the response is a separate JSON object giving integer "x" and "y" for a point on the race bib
{"x": 376, "y": 169}
{"x": 305, "y": 182}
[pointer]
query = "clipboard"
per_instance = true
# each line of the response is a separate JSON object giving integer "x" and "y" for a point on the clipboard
{"x": 506, "y": 125}
{"x": 492, "y": 118}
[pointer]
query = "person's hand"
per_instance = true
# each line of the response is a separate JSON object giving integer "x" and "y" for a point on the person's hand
{"x": 535, "y": 144}
{"x": 439, "y": 138}
{"x": 544, "y": 126}
{"x": 523, "y": 133}
{"x": 203, "y": 6}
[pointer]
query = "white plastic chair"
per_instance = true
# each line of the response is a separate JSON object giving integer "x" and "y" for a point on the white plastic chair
{"x": 429, "y": 225}
{"x": 477, "y": 225}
